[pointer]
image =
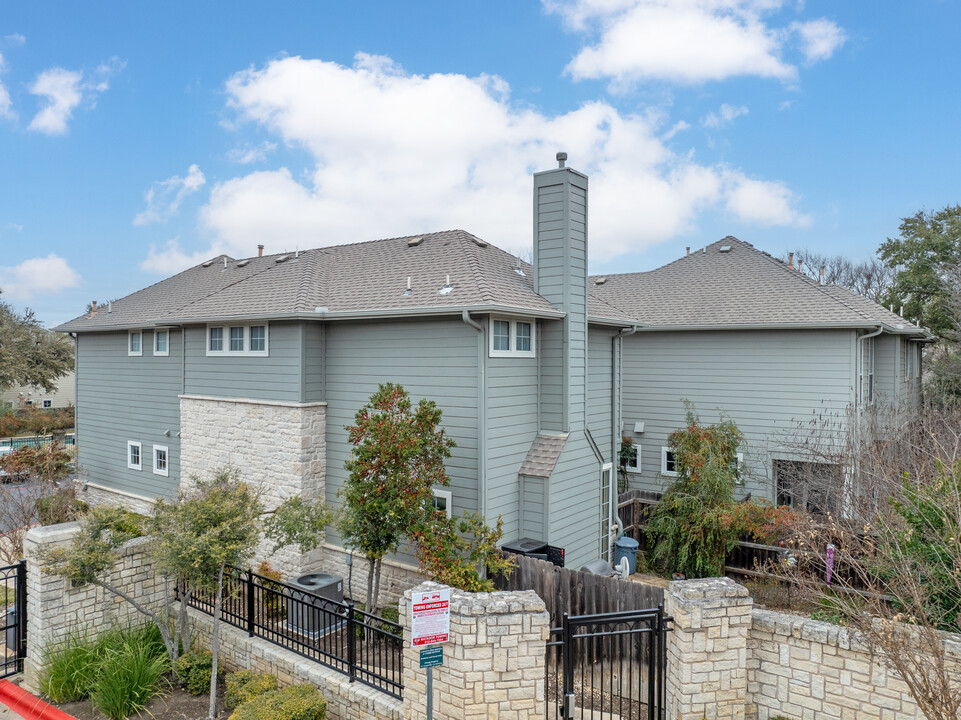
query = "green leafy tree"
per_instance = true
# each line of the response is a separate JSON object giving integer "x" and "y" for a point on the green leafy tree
{"x": 451, "y": 551}
{"x": 926, "y": 256}
{"x": 397, "y": 459}
{"x": 695, "y": 524}
{"x": 30, "y": 354}
{"x": 213, "y": 524}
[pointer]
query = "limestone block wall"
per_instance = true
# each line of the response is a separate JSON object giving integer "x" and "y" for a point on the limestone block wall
{"x": 804, "y": 669}
{"x": 707, "y": 651}
{"x": 96, "y": 495}
{"x": 55, "y": 607}
{"x": 277, "y": 446}
{"x": 494, "y": 664}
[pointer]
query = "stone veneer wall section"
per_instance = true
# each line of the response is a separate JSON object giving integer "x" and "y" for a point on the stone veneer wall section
{"x": 809, "y": 670}
{"x": 55, "y": 608}
{"x": 707, "y": 650}
{"x": 494, "y": 664}
{"x": 395, "y": 577}
{"x": 278, "y": 446}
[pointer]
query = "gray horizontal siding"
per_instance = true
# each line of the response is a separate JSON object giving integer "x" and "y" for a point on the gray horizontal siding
{"x": 771, "y": 383}
{"x": 433, "y": 359}
{"x": 574, "y": 502}
{"x": 120, "y": 399}
{"x": 313, "y": 362}
{"x": 600, "y": 406}
{"x": 275, "y": 377}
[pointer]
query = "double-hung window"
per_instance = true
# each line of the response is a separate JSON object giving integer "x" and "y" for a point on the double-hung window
{"x": 160, "y": 460}
{"x": 866, "y": 379}
{"x": 135, "y": 343}
{"x": 442, "y": 502}
{"x": 668, "y": 462}
{"x": 161, "y": 343}
{"x": 134, "y": 459}
{"x": 237, "y": 340}
{"x": 511, "y": 338}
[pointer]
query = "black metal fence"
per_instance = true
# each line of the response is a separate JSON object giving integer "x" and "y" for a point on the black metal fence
{"x": 612, "y": 666}
{"x": 365, "y": 647}
{"x": 13, "y": 586}
{"x": 36, "y": 441}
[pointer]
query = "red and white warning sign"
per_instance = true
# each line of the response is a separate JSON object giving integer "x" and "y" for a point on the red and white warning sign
{"x": 430, "y": 617}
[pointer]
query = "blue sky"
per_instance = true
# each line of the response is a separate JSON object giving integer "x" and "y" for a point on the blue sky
{"x": 137, "y": 139}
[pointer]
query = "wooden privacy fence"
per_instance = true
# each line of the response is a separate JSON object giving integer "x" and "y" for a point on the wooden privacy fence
{"x": 578, "y": 593}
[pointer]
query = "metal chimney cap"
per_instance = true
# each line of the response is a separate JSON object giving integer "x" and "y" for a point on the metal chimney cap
{"x": 561, "y": 159}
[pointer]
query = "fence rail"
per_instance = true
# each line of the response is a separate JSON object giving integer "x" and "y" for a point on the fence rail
{"x": 365, "y": 647}
{"x": 13, "y": 628}
{"x": 36, "y": 441}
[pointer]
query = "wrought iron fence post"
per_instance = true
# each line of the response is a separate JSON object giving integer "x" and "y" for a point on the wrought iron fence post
{"x": 21, "y": 613}
{"x": 351, "y": 640}
{"x": 250, "y": 603}
{"x": 567, "y": 711}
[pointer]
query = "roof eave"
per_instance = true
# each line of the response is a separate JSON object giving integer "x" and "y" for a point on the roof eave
{"x": 786, "y": 326}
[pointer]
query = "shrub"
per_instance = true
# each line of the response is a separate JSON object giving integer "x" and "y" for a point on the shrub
{"x": 69, "y": 669}
{"x": 129, "y": 677}
{"x": 246, "y": 685}
{"x": 60, "y": 507}
{"x": 273, "y": 594}
{"x": 296, "y": 702}
{"x": 193, "y": 670}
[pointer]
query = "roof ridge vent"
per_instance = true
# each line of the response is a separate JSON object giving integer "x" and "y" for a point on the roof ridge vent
{"x": 208, "y": 263}
{"x": 415, "y": 241}
{"x": 243, "y": 263}
{"x": 724, "y": 249}
{"x": 600, "y": 280}
{"x": 282, "y": 258}
{"x": 478, "y": 242}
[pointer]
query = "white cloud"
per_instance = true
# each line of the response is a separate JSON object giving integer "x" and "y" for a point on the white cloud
{"x": 251, "y": 153}
{"x": 679, "y": 126}
{"x": 61, "y": 88}
{"x": 37, "y": 276}
{"x": 6, "y": 104}
{"x": 686, "y": 41}
{"x": 164, "y": 197}
{"x": 64, "y": 90}
{"x": 725, "y": 115}
{"x": 394, "y": 153}
{"x": 15, "y": 39}
{"x": 16, "y": 227}
{"x": 763, "y": 203}
{"x": 819, "y": 38}
{"x": 170, "y": 259}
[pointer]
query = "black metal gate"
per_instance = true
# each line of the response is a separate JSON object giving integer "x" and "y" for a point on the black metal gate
{"x": 13, "y": 641}
{"x": 608, "y": 667}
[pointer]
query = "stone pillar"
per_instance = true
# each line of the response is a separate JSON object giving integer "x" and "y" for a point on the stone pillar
{"x": 707, "y": 651}
{"x": 280, "y": 447}
{"x": 494, "y": 664}
{"x": 55, "y": 608}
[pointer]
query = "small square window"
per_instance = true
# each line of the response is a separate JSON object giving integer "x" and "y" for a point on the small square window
{"x": 236, "y": 339}
{"x": 135, "y": 343}
{"x": 48, "y": 403}
{"x": 258, "y": 338}
{"x": 442, "y": 501}
{"x": 502, "y": 335}
{"x": 216, "y": 342}
{"x": 134, "y": 460}
{"x": 668, "y": 462}
{"x": 160, "y": 460}
{"x": 161, "y": 343}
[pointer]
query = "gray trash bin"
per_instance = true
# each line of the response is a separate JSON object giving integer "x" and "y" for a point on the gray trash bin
{"x": 11, "y": 634}
{"x": 625, "y": 547}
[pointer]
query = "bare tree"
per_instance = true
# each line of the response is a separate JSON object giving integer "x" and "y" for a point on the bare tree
{"x": 870, "y": 278}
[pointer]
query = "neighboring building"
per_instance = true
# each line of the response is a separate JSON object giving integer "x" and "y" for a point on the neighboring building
{"x": 741, "y": 334}
{"x": 63, "y": 395}
{"x": 262, "y": 362}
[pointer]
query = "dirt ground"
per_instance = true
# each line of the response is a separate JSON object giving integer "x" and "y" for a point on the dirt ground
{"x": 176, "y": 705}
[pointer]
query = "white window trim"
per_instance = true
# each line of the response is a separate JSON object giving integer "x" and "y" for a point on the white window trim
{"x": 513, "y": 337}
{"x": 156, "y": 352}
{"x": 664, "y": 470}
{"x": 445, "y": 495}
{"x": 130, "y": 334}
{"x": 46, "y": 403}
{"x": 637, "y": 468}
{"x": 139, "y": 446}
{"x": 165, "y": 471}
{"x": 740, "y": 470}
{"x": 246, "y": 352}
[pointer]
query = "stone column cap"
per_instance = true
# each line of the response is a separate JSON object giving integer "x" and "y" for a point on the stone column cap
{"x": 501, "y": 602}
{"x": 706, "y": 588}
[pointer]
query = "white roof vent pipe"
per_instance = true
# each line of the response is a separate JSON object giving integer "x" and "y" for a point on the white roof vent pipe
{"x": 408, "y": 291}
{"x": 225, "y": 262}
{"x": 446, "y": 290}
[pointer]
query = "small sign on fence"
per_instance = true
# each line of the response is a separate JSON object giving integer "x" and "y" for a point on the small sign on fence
{"x": 432, "y": 656}
{"x": 430, "y": 617}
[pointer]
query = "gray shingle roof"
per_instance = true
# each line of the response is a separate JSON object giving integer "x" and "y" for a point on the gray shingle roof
{"x": 362, "y": 278}
{"x": 543, "y": 455}
{"x": 740, "y": 287}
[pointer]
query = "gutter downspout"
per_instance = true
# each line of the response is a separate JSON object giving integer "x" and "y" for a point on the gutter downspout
{"x": 846, "y": 507}
{"x": 616, "y": 348}
{"x": 481, "y": 414}
{"x": 76, "y": 403}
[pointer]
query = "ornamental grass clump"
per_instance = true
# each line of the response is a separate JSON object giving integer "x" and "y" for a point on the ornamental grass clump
{"x": 697, "y": 520}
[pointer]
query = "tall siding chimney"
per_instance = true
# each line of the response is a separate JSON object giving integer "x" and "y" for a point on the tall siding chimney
{"x": 260, "y": 251}
{"x": 688, "y": 250}
{"x": 560, "y": 276}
